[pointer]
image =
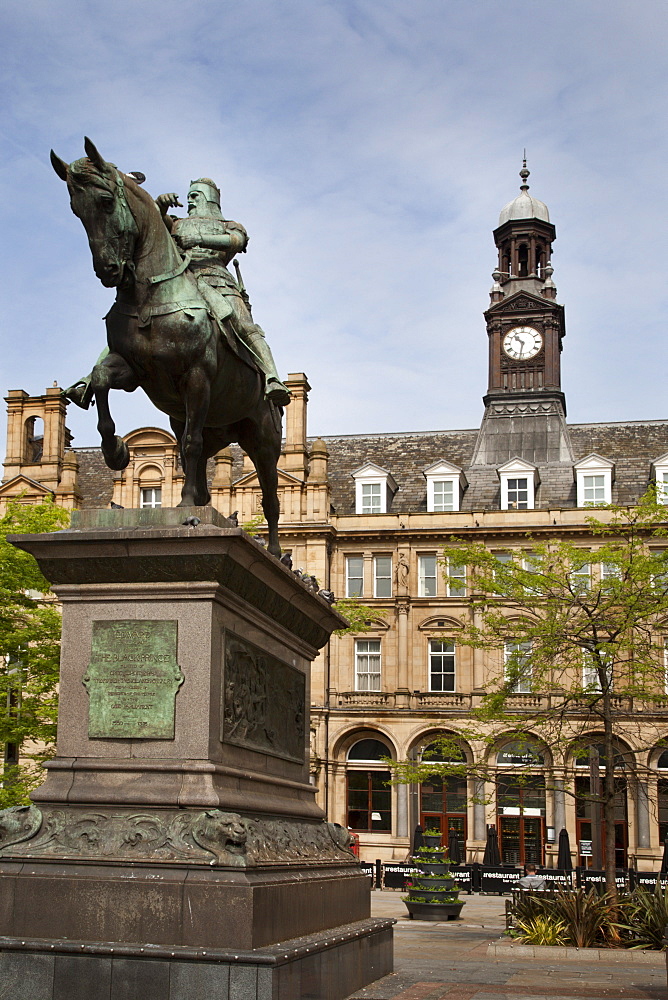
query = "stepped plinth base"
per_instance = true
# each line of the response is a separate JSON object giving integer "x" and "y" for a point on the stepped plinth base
{"x": 176, "y": 849}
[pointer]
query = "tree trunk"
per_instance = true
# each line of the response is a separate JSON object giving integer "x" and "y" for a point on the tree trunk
{"x": 609, "y": 798}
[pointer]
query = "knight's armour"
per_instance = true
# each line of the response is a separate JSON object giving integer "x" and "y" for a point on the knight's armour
{"x": 199, "y": 227}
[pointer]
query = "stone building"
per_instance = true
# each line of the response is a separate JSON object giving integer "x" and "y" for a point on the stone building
{"x": 368, "y": 515}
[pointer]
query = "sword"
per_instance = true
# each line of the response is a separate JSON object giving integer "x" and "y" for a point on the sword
{"x": 241, "y": 286}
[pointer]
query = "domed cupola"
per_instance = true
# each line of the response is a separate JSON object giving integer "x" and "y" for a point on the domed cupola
{"x": 524, "y": 239}
{"x": 525, "y": 206}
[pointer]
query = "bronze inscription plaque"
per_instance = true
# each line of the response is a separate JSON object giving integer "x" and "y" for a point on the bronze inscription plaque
{"x": 132, "y": 680}
{"x": 264, "y": 701}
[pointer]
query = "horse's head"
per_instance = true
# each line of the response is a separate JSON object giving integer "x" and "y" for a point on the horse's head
{"x": 97, "y": 197}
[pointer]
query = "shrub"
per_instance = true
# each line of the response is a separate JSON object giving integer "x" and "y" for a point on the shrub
{"x": 544, "y": 930}
{"x": 644, "y": 916}
{"x": 588, "y": 918}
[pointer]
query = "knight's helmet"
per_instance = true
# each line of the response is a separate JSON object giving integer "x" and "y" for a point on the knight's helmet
{"x": 210, "y": 190}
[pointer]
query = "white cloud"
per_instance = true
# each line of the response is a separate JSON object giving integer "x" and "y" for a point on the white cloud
{"x": 368, "y": 148}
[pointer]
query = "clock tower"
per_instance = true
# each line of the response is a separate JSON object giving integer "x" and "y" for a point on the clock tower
{"x": 525, "y": 409}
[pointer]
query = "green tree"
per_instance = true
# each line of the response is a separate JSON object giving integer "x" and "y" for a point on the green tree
{"x": 575, "y": 635}
{"x": 29, "y": 653}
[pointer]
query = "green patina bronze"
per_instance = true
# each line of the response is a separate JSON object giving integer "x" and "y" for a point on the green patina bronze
{"x": 132, "y": 680}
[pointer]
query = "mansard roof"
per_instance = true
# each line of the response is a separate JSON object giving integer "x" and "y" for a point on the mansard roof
{"x": 632, "y": 445}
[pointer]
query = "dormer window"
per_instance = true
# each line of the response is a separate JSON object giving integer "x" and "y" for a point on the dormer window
{"x": 519, "y": 480}
{"x": 445, "y": 486}
{"x": 660, "y": 470}
{"x": 374, "y": 489}
{"x": 593, "y": 477}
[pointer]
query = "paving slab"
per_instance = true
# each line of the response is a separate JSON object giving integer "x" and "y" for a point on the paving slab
{"x": 451, "y": 961}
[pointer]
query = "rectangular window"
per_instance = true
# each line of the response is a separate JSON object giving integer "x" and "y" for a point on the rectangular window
{"x": 456, "y": 580}
{"x": 371, "y": 498}
{"x": 441, "y": 665}
{"x": 517, "y": 667}
{"x": 609, "y": 571}
{"x": 444, "y": 495}
{"x": 367, "y": 664}
{"x": 354, "y": 576}
{"x": 662, "y": 487}
{"x": 382, "y": 576}
{"x": 518, "y": 494}
{"x": 581, "y": 578}
{"x": 427, "y": 576}
{"x": 593, "y": 489}
{"x": 591, "y": 682}
{"x": 151, "y": 497}
{"x": 369, "y": 801}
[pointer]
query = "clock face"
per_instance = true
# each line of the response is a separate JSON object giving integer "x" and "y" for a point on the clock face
{"x": 522, "y": 343}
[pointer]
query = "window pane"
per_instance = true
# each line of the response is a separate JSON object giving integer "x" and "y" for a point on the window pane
{"x": 441, "y": 665}
{"x": 518, "y": 494}
{"x": 427, "y": 576}
{"x": 383, "y": 576}
{"x": 444, "y": 495}
{"x": 354, "y": 576}
{"x": 371, "y": 498}
{"x": 594, "y": 489}
{"x": 367, "y": 665}
{"x": 518, "y": 666}
{"x": 456, "y": 580}
{"x": 368, "y": 750}
{"x": 151, "y": 497}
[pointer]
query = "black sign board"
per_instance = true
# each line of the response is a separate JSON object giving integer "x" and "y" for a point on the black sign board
{"x": 648, "y": 879}
{"x": 464, "y": 876}
{"x": 588, "y": 877}
{"x": 369, "y": 868}
{"x": 499, "y": 879}
{"x": 396, "y": 876}
{"x": 555, "y": 877}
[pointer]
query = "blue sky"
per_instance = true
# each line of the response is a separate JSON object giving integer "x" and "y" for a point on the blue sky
{"x": 368, "y": 147}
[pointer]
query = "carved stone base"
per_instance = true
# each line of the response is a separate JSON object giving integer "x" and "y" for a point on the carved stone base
{"x": 328, "y": 966}
{"x": 210, "y": 836}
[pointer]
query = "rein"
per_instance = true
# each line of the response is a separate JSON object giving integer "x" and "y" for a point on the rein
{"x": 129, "y": 264}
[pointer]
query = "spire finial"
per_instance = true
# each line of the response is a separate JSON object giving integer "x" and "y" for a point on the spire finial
{"x": 524, "y": 173}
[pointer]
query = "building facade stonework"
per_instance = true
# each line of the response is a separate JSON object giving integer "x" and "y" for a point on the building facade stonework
{"x": 368, "y": 515}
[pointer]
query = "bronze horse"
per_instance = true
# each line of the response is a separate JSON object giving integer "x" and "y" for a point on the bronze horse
{"x": 161, "y": 338}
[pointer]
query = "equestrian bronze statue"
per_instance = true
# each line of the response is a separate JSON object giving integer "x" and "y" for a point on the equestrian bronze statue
{"x": 180, "y": 327}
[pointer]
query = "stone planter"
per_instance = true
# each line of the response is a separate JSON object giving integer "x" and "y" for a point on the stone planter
{"x": 433, "y": 898}
{"x": 434, "y": 911}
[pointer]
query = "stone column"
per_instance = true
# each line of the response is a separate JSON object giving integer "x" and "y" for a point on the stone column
{"x": 559, "y": 805}
{"x": 402, "y": 810}
{"x": 479, "y": 828}
{"x": 642, "y": 812}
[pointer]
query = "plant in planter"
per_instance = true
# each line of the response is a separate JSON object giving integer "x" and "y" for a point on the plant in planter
{"x": 432, "y": 894}
{"x": 432, "y": 838}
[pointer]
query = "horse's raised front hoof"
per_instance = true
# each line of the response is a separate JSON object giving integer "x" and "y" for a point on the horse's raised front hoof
{"x": 117, "y": 458}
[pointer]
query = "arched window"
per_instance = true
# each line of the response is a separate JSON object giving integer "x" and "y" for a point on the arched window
{"x": 662, "y": 762}
{"x": 520, "y": 753}
{"x": 586, "y": 806}
{"x": 521, "y": 802}
{"x": 368, "y": 750}
{"x": 443, "y": 798}
{"x": 369, "y": 796}
{"x": 33, "y": 440}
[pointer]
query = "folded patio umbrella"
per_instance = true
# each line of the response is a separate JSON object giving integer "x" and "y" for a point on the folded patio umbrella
{"x": 492, "y": 855}
{"x": 417, "y": 838}
{"x": 664, "y": 860}
{"x": 454, "y": 854}
{"x": 564, "y": 862}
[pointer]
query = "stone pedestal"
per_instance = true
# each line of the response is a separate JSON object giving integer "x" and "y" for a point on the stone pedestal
{"x": 176, "y": 849}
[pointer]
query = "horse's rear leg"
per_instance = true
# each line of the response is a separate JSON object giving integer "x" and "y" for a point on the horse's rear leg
{"x": 264, "y": 456}
{"x": 197, "y": 397}
{"x": 202, "y": 495}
